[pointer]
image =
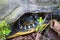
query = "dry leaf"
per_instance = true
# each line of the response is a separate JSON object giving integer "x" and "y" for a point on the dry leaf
{"x": 55, "y": 25}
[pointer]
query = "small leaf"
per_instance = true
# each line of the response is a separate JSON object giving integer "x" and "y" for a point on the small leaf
{"x": 37, "y": 28}
{"x": 40, "y": 20}
{"x": 3, "y": 31}
{"x": 41, "y": 28}
{"x": 7, "y": 31}
{"x": 0, "y": 33}
{"x": 2, "y": 24}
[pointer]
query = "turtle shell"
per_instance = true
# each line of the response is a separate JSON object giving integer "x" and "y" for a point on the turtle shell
{"x": 12, "y": 10}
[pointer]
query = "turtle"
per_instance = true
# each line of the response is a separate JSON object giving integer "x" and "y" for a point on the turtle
{"x": 12, "y": 10}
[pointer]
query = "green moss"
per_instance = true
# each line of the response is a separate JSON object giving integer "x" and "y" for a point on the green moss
{"x": 4, "y": 30}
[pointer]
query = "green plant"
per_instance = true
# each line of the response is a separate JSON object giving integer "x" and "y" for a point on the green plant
{"x": 40, "y": 20}
{"x": 4, "y": 30}
{"x": 40, "y": 26}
